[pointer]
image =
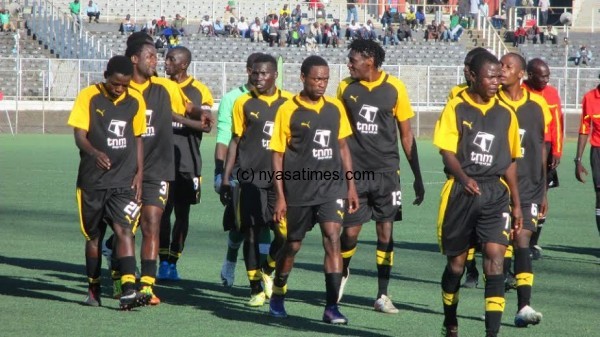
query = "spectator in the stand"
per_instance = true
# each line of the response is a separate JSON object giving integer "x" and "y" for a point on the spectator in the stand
{"x": 520, "y": 35}
{"x": 150, "y": 27}
{"x": 404, "y": 32}
{"x": 369, "y": 31}
{"x": 411, "y": 18}
{"x": 484, "y": 9}
{"x": 227, "y": 17}
{"x": 315, "y": 31}
{"x": 256, "y": 34}
{"x": 456, "y": 29}
{"x": 389, "y": 36}
{"x": 533, "y": 33}
{"x": 161, "y": 44}
{"x": 284, "y": 26}
{"x": 219, "y": 28}
{"x": 206, "y": 26}
{"x": 7, "y": 25}
{"x": 352, "y": 11}
{"x": 92, "y": 12}
{"x": 242, "y": 27}
{"x": 230, "y": 5}
{"x": 295, "y": 36}
{"x": 432, "y": 31}
{"x": 444, "y": 32}
{"x": 336, "y": 29}
{"x": 544, "y": 9}
{"x": 583, "y": 56}
{"x": 297, "y": 14}
{"x": 127, "y": 25}
{"x": 273, "y": 29}
{"x": 326, "y": 31}
{"x": 473, "y": 12}
{"x": 386, "y": 18}
{"x": 549, "y": 33}
{"x": 285, "y": 10}
{"x": 178, "y": 24}
{"x": 352, "y": 30}
{"x": 75, "y": 9}
{"x": 161, "y": 24}
{"x": 420, "y": 18}
{"x": 174, "y": 41}
{"x": 231, "y": 27}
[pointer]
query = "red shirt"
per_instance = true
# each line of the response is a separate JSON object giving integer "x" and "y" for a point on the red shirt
{"x": 590, "y": 116}
{"x": 555, "y": 128}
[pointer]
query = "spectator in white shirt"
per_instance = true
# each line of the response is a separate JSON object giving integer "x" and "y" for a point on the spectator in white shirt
{"x": 93, "y": 12}
{"x": 243, "y": 27}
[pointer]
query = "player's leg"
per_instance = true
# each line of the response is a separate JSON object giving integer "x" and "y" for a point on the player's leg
{"x": 509, "y": 277}
{"x": 164, "y": 240}
{"x": 234, "y": 239}
{"x": 552, "y": 180}
{"x": 124, "y": 213}
{"x": 333, "y": 266}
{"x": 385, "y": 261}
{"x": 471, "y": 274}
{"x": 493, "y": 261}
{"x": 91, "y": 205}
{"x": 299, "y": 220}
{"x": 154, "y": 199}
{"x": 595, "y": 165}
{"x": 450, "y": 292}
{"x": 523, "y": 269}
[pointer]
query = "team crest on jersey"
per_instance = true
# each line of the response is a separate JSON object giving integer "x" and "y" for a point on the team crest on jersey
{"x": 322, "y": 137}
{"x": 149, "y": 127}
{"x": 368, "y": 114}
{"x": 267, "y": 129}
{"x": 484, "y": 141}
{"x": 117, "y": 128}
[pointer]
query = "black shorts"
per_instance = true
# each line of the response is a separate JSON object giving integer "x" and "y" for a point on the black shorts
{"x": 595, "y": 164}
{"x": 380, "y": 199}
{"x": 301, "y": 219}
{"x": 186, "y": 189}
{"x": 255, "y": 205}
{"x": 118, "y": 205}
{"x": 465, "y": 220}
{"x": 155, "y": 193}
{"x": 530, "y": 216}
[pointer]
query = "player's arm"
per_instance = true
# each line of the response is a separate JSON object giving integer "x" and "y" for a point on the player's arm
{"x": 193, "y": 124}
{"x": 453, "y": 166}
{"x": 556, "y": 138}
{"x": 139, "y": 173}
{"x": 225, "y": 189}
{"x": 544, "y": 206}
{"x": 280, "y": 203}
{"x": 223, "y": 138}
{"x": 513, "y": 185}
{"x": 84, "y": 145}
{"x": 584, "y": 130}
{"x": 409, "y": 145}
{"x": 353, "y": 203}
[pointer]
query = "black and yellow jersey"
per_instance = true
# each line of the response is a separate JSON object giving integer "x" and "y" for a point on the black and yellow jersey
{"x": 253, "y": 120}
{"x": 308, "y": 136}
{"x": 163, "y": 98}
{"x": 186, "y": 140}
{"x": 111, "y": 125}
{"x": 484, "y": 137}
{"x": 457, "y": 89}
{"x": 534, "y": 117}
{"x": 374, "y": 108}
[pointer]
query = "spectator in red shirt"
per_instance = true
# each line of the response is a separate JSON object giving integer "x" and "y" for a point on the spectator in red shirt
{"x": 520, "y": 35}
{"x": 161, "y": 24}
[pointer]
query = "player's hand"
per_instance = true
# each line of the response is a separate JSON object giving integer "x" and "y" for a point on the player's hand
{"x": 353, "y": 203}
{"x": 218, "y": 182}
{"x": 137, "y": 185}
{"x": 517, "y": 221}
{"x": 471, "y": 186}
{"x": 419, "y": 191}
{"x": 580, "y": 171}
{"x": 102, "y": 161}
{"x": 226, "y": 194}
{"x": 554, "y": 162}
{"x": 207, "y": 119}
{"x": 543, "y": 208}
{"x": 280, "y": 209}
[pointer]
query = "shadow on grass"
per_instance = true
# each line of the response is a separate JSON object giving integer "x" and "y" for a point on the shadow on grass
{"x": 592, "y": 251}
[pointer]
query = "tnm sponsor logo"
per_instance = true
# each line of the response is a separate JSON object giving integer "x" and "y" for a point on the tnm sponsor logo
{"x": 322, "y": 137}
{"x": 483, "y": 141}
{"x": 367, "y": 125}
{"x": 117, "y": 128}
{"x": 268, "y": 130}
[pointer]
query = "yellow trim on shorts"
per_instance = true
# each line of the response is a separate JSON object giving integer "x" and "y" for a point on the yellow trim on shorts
{"x": 508, "y": 254}
{"x": 80, "y": 209}
{"x": 444, "y": 196}
{"x": 471, "y": 254}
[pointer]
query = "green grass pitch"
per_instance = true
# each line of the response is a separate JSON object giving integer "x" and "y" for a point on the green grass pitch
{"x": 42, "y": 279}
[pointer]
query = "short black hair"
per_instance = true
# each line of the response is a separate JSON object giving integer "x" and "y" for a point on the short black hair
{"x": 472, "y": 53}
{"x": 136, "y": 42}
{"x": 186, "y": 52}
{"x": 481, "y": 60}
{"x": 312, "y": 61}
{"x": 519, "y": 57}
{"x": 251, "y": 59}
{"x": 266, "y": 58}
{"x": 534, "y": 63}
{"x": 119, "y": 64}
{"x": 369, "y": 48}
